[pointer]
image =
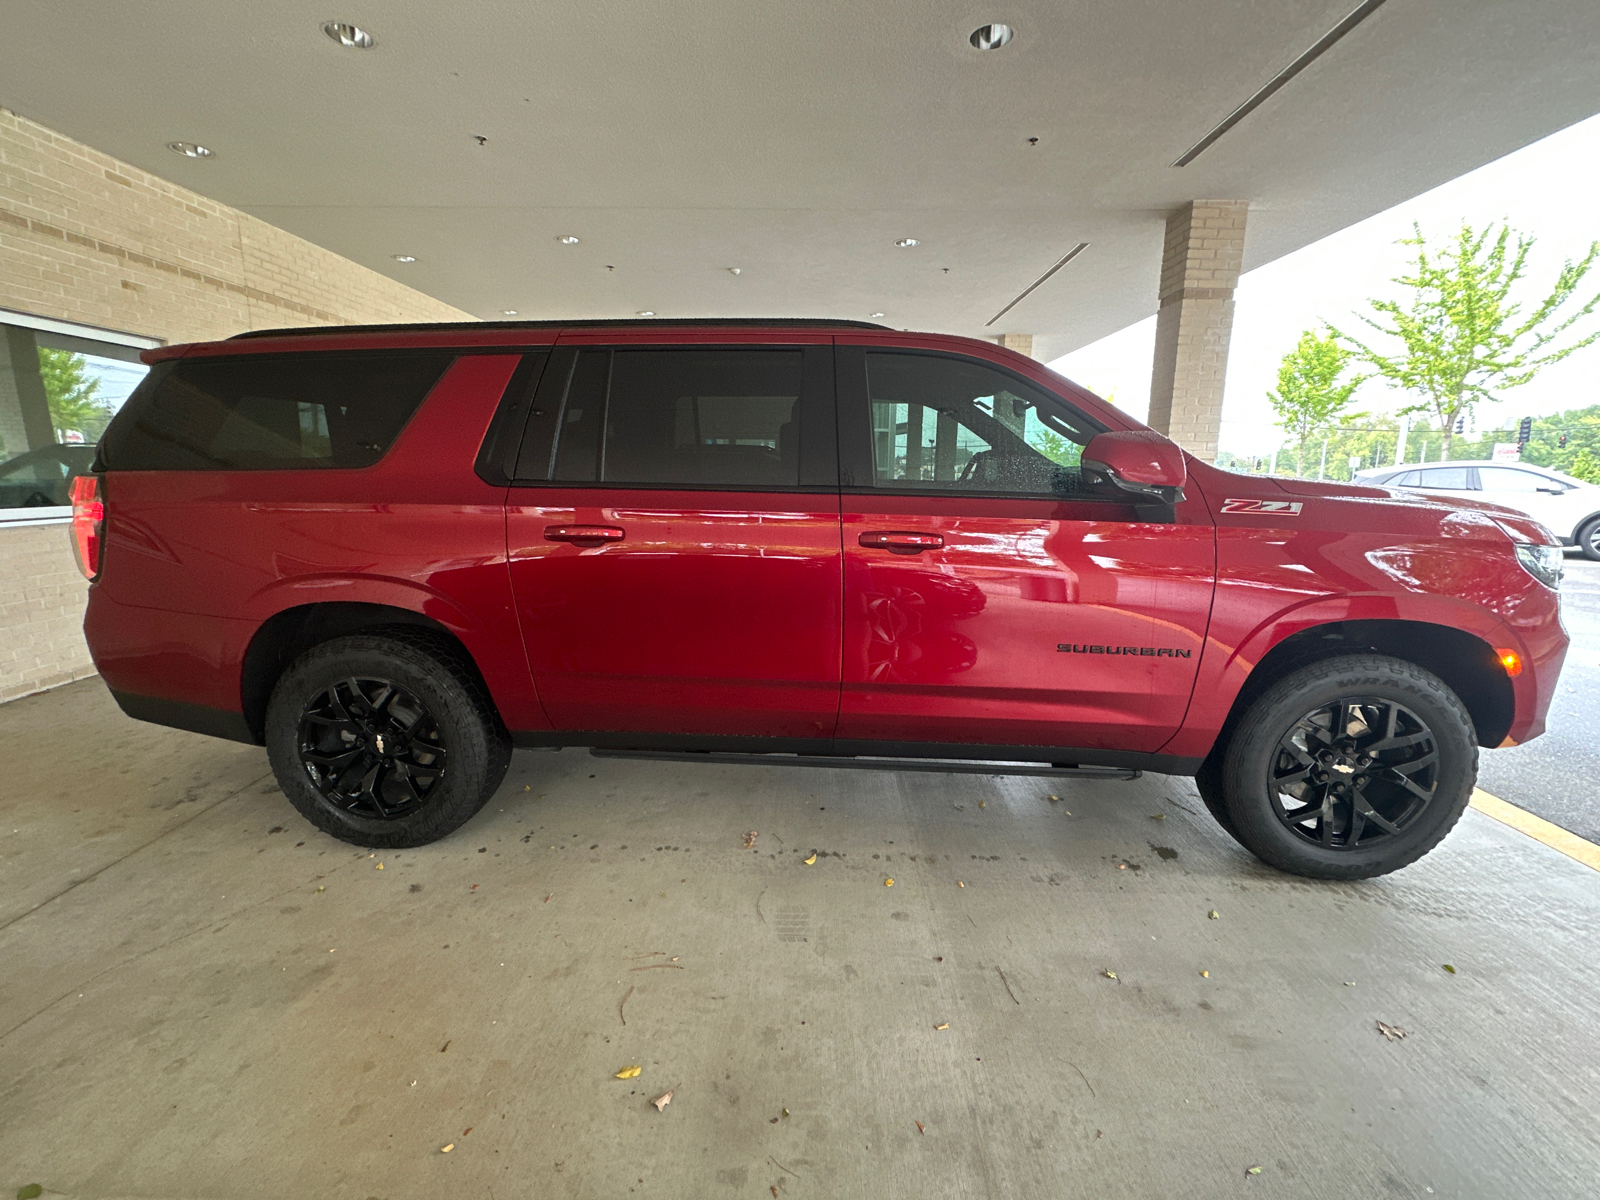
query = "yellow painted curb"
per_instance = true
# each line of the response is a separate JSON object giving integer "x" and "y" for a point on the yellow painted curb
{"x": 1537, "y": 828}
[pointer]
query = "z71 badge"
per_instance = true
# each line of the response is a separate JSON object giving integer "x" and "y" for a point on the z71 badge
{"x": 1276, "y": 508}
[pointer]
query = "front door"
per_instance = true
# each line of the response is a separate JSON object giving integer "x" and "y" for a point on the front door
{"x": 674, "y": 541}
{"x": 989, "y": 601}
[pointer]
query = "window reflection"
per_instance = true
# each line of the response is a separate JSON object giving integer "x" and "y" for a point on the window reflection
{"x": 58, "y": 392}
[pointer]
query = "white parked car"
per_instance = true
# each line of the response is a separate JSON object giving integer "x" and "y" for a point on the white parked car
{"x": 1570, "y": 507}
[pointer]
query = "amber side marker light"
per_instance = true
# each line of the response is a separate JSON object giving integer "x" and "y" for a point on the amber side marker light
{"x": 1511, "y": 661}
{"x": 88, "y": 524}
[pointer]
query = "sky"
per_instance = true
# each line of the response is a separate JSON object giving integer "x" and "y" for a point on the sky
{"x": 1547, "y": 189}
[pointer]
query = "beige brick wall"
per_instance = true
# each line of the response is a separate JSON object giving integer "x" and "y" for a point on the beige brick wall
{"x": 41, "y": 611}
{"x": 1199, "y": 270}
{"x": 85, "y": 237}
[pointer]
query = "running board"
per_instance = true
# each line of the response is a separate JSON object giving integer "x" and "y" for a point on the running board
{"x": 941, "y": 766}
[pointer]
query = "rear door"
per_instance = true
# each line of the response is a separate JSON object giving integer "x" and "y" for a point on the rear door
{"x": 674, "y": 540}
{"x": 988, "y": 599}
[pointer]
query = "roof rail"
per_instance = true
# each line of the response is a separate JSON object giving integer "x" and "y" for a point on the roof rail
{"x": 468, "y": 326}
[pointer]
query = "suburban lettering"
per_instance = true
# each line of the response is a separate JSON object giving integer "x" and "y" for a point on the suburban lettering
{"x": 1130, "y": 651}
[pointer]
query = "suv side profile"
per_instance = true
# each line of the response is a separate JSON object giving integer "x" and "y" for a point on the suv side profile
{"x": 392, "y": 554}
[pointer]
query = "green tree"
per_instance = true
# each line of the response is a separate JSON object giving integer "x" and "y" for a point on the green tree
{"x": 1463, "y": 339}
{"x": 70, "y": 391}
{"x": 1311, "y": 391}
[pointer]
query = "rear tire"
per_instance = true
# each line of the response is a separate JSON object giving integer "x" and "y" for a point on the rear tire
{"x": 1349, "y": 768}
{"x": 385, "y": 740}
{"x": 1589, "y": 540}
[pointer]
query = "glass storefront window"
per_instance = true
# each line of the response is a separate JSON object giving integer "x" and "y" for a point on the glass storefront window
{"x": 60, "y": 385}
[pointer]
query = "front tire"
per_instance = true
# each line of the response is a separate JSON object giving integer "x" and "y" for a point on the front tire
{"x": 384, "y": 740}
{"x": 1349, "y": 768}
{"x": 1589, "y": 540}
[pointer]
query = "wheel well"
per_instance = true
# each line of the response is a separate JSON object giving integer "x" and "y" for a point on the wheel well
{"x": 285, "y": 636}
{"x": 1467, "y": 665}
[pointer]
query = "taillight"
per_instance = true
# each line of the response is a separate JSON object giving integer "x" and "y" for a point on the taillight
{"x": 88, "y": 524}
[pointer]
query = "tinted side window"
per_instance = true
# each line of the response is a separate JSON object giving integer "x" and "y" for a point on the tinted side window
{"x": 1450, "y": 479}
{"x": 949, "y": 424}
{"x": 683, "y": 418}
{"x": 270, "y": 413}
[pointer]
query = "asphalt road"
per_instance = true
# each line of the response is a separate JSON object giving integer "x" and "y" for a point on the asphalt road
{"x": 1558, "y": 775}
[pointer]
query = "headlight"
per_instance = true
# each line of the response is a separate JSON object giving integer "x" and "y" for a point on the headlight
{"x": 1542, "y": 562}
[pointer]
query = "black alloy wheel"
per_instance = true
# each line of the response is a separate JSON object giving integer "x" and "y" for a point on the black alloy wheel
{"x": 385, "y": 739}
{"x": 1346, "y": 768}
{"x": 1350, "y": 773}
{"x": 371, "y": 748}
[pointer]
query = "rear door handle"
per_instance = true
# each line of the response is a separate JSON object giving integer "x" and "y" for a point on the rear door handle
{"x": 901, "y": 542}
{"x": 592, "y": 534}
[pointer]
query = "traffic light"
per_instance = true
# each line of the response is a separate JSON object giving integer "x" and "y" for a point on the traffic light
{"x": 1525, "y": 431}
{"x": 1561, "y": 441}
{"x": 1461, "y": 423}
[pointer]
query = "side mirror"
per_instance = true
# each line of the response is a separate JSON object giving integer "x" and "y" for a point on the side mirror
{"x": 1555, "y": 489}
{"x": 1136, "y": 467}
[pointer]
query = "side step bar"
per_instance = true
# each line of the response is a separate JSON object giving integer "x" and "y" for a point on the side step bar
{"x": 941, "y": 766}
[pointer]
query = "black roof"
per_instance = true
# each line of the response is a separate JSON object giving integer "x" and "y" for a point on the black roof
{"x": 469, "y": 326}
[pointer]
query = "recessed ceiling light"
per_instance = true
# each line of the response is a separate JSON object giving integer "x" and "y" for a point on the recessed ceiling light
{"x": 991, "y": 37}
{"x": 566, "y": 239}
{"x": 647, "y": 312}
{"x": 508, "y": 312}
{"x": 189, "y": 149}
{"x": 906, "y": 243}
{"x": 404, "y": 257}
{"x": 875, "y": 316}
{"x": 352, "y": 36}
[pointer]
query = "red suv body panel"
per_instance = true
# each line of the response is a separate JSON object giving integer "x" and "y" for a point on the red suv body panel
{"x": 762, "y": 619}
{"x": 204, "y": 558}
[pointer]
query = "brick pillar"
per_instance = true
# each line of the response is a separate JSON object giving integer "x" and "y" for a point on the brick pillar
{"x": 1199, "y": 270}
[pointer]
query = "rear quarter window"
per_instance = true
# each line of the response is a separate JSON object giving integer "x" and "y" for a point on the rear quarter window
{"x": 277, "y": 412}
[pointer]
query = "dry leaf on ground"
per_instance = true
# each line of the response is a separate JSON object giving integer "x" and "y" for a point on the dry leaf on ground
{"x": 664, "y": 1099}
{"x": 946, "y": 1025}
{"x": 628, "y": 1072}
{"x": 920, "y": 1128}
{"x": 1393, "y": 1032}
{"x": 1109, "y": 974}
{"x": 1213, "y": 915}
{"x": 447, "y": 1149}
{"x": 750, "y": 839}
{"x": 888, "y": 883}
{"x": 812, "y": 859}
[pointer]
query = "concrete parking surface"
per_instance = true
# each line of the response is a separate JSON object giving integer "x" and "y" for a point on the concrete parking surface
{"x": 203, "y": 997}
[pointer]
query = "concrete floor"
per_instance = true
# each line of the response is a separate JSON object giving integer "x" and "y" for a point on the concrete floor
{"x": 202, "y": 997}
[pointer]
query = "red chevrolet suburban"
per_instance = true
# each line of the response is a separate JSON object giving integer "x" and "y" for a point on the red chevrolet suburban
{"x": 392, "y": 554}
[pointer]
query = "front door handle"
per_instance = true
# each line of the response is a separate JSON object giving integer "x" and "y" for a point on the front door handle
{"x": 901, "y": 542}
{"x": 593, "y": 535}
